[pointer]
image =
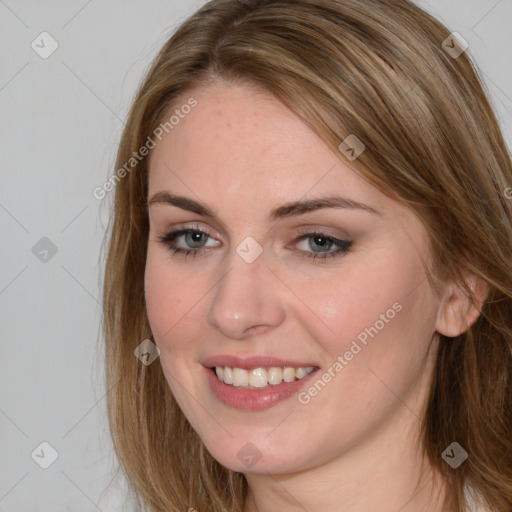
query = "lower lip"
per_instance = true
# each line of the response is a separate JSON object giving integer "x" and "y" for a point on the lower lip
{"x": 254, "y": 399}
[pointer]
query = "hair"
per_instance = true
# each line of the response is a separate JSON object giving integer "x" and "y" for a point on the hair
{"x": 378, "y": 70}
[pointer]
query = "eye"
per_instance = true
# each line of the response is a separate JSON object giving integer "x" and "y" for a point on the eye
{"x": 186, "y": 241}
{"x": 321, "y": 245}
{"x": 194, "y": 241}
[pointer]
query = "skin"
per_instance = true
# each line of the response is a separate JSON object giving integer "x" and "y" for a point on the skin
{"x": 355, "y": 444}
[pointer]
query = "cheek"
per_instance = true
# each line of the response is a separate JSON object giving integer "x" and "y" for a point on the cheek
{"x": 158, "y": 298}
{"x": 169, "y": 302}
{"x": 167, "y": 297}
{"x": 383, "y": 305}
{"x": 341, "y": 302}
{"x": 175, "y": 306}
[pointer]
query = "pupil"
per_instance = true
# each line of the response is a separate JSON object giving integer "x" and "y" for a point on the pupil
{"x": 322, "y": 242}
{"x": 195, "y": 238}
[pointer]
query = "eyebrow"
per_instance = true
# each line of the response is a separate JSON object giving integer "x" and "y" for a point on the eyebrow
{"x": 286, "y": 210}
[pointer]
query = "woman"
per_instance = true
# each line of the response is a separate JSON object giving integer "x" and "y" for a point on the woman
{"x": 310, "y": 257}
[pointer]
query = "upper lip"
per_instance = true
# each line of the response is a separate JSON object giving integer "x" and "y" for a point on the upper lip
{"x": 253, "y": 362}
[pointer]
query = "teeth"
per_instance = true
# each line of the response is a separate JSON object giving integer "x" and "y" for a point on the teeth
{"x": 240, "y": 377}
{"x": 289, "y": 374}
{"x": 228, "y": 375}
{"x": 260, "y": 377}
{"x": 275, "y": 376}
{"x": 300, "y": 372}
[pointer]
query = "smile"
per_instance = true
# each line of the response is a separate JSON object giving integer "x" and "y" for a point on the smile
{"x": 258, "y": 378}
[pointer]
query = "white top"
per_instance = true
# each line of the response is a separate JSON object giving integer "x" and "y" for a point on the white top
{"x": 475, "y": 503}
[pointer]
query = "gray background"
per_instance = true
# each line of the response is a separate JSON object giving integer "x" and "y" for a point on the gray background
{"x": 61, "y": 119}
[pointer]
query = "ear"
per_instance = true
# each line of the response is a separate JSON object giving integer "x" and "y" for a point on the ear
{"x": 457, "y": 313}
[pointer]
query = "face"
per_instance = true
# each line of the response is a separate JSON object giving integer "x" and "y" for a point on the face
{"x": 238, "y": 277}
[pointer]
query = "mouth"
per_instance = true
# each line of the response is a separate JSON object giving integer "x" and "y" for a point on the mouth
{"x": 256, "y": 382}
{"x": 260, "y": 377}
{"x": 257, "y": 388}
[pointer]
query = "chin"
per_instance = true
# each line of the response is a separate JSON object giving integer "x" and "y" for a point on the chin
{"x": 253, "y": 457}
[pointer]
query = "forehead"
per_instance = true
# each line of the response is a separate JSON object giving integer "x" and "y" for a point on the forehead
{"x": 239, "y": 143}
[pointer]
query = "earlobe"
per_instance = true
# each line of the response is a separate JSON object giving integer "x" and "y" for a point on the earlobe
{"x": 457, "y": 312}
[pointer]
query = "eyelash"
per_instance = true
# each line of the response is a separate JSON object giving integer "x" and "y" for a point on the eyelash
{"x": 169, "y": 239}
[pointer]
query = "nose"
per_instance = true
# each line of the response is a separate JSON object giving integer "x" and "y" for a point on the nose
{"x": 247, "y": 300}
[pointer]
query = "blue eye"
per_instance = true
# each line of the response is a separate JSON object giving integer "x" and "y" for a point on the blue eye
{"x": 321, "y": 245}
{"x": 194, "y": 240}
{"x": 191, "y": 242}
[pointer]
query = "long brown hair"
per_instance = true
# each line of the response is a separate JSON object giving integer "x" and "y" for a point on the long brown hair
{"x": 384, "y": 71}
